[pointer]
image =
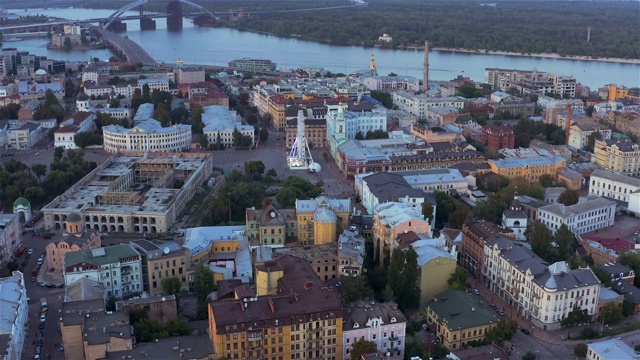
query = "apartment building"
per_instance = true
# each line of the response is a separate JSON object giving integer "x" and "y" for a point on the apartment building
{"x": 418, "y": 104}
{"x": 148, "y": 135}
{"x": 314, "y": 129}
{"x": 76, "y": 238}
{"x": 530, "y": 81}
{"x": 610, "y": 349}
{"x": 161, "y": 261}
{"x": 529, "y": 168}
{"x": 322, "y": 219}
{"x": 580, "y": 132}
{"x": 381, "y": 323}
{"x": 270, "y": 226}
{"x": 220, "y": 124}
{"x": 436, "y": 264}
{"x": 118, "y": 268}
{"x": 498, "y": 137}
{"x": 474, "y": 236}
{"x": 459, "y": 318}
{"x": 160, "y": 84}
{"x": 619, "y": 156}
{"x": 323, "y": 258}
{"x": 292, "y": 315}
{"x": 613, "y": 185}
{"x": 392, "y": 83}
{"x": 360, "y": 118}
{"x": 543, "y": 293}
{"x": 392, "y": 219}
{"x": 591, "y": 213}
{"x": 10, "y": 236}
{"x": 14, "y": 307}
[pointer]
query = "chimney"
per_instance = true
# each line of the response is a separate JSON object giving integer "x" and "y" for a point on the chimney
{"x": 425, "y": 70}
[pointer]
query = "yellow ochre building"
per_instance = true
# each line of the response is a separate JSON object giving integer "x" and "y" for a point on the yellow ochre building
{"x": 321, "y": 220}
{"x": 530, "y": 168}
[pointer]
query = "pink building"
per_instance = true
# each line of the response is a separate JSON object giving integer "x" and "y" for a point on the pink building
{"x": 382, "y": 323}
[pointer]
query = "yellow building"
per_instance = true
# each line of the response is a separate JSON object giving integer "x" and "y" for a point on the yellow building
{"x": 459, "y": 317}
{"x": 321, "y": 220}
{"x": 620, "y": 156}
{"x": 322, "y": 258}
{"x": 214, "y": 242}
{"x": 616, "y": 92}
{"x": 301, "y": 319}
{"x": 436, "y": 267}
{"x": 270, "y": 226}
{"x": 530, "y": 168}
{"x": 161, "y": 261}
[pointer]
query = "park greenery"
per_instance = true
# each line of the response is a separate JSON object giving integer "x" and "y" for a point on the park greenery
{"x": 148, "y": 329}
{"x": 203, "y": 286}
{"x": 17, "y": 179}
{"x": 362, "y": 347}
{"x": 403, "y": 278}
{"x": 501, "y": 193}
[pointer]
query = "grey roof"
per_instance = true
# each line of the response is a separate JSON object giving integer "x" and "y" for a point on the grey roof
{"x": 616, "y": 269}
{"x": 531, "y": 202}
{"x": 100, "y": 256}
{"x": 361, "y": 311}
{"x": 629, "y": 291}
{"x": 188, "y": 347}
{"x": 84, "y": 289}
{"x": 590, "y": 203}
{"x": 616, "y": 177}
{"x": 387, "y": 186}
{"x": 623, "y": 145}
{"x": 461, "y": 310}
{"x": 514, "y": 214}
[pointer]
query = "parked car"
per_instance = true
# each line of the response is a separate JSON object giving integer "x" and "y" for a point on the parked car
{"x": 33, "y": 279}
{"x": 51, "y": 286}
{"x": 30, "y": 251}
{"x": 500, "y": 312}
{"x": 525, "y": 331}
{"x": 493, "y": 306}
{"x": 43, "y": 318}
{"x": 475, "y": 291}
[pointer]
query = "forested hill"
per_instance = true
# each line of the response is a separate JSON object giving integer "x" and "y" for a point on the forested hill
{"x": 517, "y": 26}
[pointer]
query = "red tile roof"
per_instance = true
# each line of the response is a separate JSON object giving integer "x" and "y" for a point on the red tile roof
{"x": 68, "y": 129}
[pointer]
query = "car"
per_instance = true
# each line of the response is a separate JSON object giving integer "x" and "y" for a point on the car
{"x": 525, "y": 331}
{"x": 36, "y": 357}
{"x": 36, "y": 154}
{"x": 61, "y": 286}
{"x": 41, "y": 283}
{"x": 493, "y": 306}
{"x": 43, "y": 318}
{"x": 51, "y": 286}
{"x": 30, "y": 251}
{"x": 41, "y": 326}
{"x": 475, "y": 291}
{"x": 38, "y": 349}
{"x": 500, "y": 312}
{"x": 33, "y": 279}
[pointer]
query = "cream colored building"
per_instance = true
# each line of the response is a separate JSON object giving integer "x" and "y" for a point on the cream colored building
{"x": 622, "y": 157}
{"x": 580, "y": 132}
{"x": 220, "y": 123}
{"x": 436, "y": 267}
{"x": 543, "y": 293}
{"x": 589, "y": 214}
{"x": 132, "y": 193}
{"x": 147, "y": 136}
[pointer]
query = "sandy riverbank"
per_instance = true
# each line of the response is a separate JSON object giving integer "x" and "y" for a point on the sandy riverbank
{"x": 543, "y": 55}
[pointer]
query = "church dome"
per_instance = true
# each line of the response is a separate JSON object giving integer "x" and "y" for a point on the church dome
{"x": 22, "y": 201}
{"x": 82, "y": 96}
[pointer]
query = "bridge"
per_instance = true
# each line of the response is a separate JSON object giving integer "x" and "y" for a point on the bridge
{"x": 174, "y": 15}
{"x": 126, "y": 47}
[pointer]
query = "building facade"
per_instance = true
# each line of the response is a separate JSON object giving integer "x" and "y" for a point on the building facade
{"x": 357, "y": 120}
{"x": 529, "y": 168}
{"x": 580, "y": 132}
{"x": 76, "y": 239}
{"x": 148, "y": 135}
{"x": 161, "y": 261}
{"x": 220, "y": 124}
{"x": 10, "y": 237}
{"x": 474, "y": 236}
{"x": 321, "y": 220}
{"x": 14, "y": 307}
{"x": 418, "y": 104}
{"x": 589, "y": 214}
{"x": 498, "y": 137}
{"x": 118, "y": 268}
{"x": 292, "y": 315}
{"x": 543, "y": 293}
{"x": 621, "y": 157}
{"x": 380, "y": 323}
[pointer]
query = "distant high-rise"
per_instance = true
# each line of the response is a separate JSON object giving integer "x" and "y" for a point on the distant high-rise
{"x": 425, "y": 70}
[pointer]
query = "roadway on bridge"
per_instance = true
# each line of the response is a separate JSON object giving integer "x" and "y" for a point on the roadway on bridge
{"x": 134, "y": 52}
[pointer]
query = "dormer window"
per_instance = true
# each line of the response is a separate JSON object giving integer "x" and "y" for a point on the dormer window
{"x": 356, "y": 325}
{"x": 393, "y": 319}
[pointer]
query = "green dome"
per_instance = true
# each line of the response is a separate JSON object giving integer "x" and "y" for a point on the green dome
{"x": 21, "y": 201}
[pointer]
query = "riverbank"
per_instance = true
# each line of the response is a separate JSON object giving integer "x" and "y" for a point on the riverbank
{"x": 543, "y": 55}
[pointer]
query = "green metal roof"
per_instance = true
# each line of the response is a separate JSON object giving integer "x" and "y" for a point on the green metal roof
{"x": 22, "y": 201}
{"x": 95, "y": 256}
{"x": 461, "y": 310}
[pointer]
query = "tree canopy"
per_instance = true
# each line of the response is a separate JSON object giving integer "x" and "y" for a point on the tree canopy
{"x": 403, "y": 278}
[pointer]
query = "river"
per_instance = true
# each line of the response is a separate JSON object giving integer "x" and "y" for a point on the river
{"x": 218, "y": 46}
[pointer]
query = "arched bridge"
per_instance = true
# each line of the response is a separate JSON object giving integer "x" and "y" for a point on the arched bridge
{"x": 119, "y": 13}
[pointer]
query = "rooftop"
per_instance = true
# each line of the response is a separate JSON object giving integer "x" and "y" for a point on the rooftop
{"x": 12, "y": 290}
{"x": 220, "y": 118}
{"x": 358, "y": 314}
{"x": 530, "y": 161}
{"x": 608, "y": 175}
{"x": 149, "y": 126}
{"x": 200, "y": 239}
{"x": 461, "y": 310}
{"x": 586, "y": 204}
{"x": 189, "y": 347}
{"x": 100, "y": 256}
{"x": 308, "y": 206}
{"x": 613, "y": 349}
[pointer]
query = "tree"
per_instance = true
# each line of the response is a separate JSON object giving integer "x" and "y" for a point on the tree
{"x": 628, "y": 307}
{"x": 359, "y": 135}
{"x": 264, "y": 135}
{"x": 529, "y": 356}
{"x": 384, "y": 97}
{"x": 458, "y": 217}
{"x": 504, "y": 331}
{"x": 12, "y": 266}
{"x": 67, "y": 43}
{"x": 354, "y": 287}
{"x": 602, "y": 275}
{"x": 546, "y": 180}
{"x": 445, "y": 205}
{"x": 197, "y": 126}
{"x": 580, "y": 350}
{"x": 146, "y": 93}
{"x": 69, "y": 89}
{"x": 254, "y": 169}
{"x": 427, "y": 211}
{"x": 39, "y": 170}
{"x": 203, "y": 286}
{"x": 86, "y": 138}
{"x": 564, "y": 239}
{"x": 171, "y": 286}
{"x": 540, "y": 239}
{"x": 403, "y": 276}
{"x": 522, "y": 140}
{"x": 35, "y": 194}
{"x": 362, "y": 347}
{"x": 591, "y": 140}
{"x": 611, "y": 314}
{"x": 458, "y": 280}
{"x": 576, "y": 317}
{"x": 569, "y": 197}
{"x": 149, "y": 329}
